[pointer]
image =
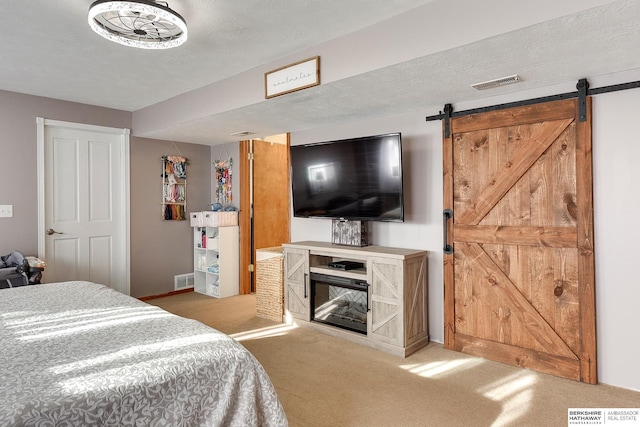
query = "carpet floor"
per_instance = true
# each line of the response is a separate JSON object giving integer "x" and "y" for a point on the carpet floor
{"x": 327, "y": 381}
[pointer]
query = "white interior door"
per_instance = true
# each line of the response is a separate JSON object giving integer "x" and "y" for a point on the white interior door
{"x": 83, "y": 211}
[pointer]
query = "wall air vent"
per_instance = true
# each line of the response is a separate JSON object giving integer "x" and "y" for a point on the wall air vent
{"x": 182, "y": 281}
{"x": 502, "y": 81}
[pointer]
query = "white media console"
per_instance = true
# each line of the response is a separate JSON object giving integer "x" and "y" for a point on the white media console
{"x": 379, "y": 299}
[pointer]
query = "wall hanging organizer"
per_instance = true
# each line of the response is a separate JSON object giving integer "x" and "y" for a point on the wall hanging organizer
{"x": 223, "y": 172}
{"x": 174, "y": 185}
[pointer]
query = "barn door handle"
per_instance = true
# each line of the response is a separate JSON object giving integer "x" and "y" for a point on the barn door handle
{"x": 446, "y": 215}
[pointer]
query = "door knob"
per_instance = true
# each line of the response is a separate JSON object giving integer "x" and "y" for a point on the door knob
{"x": 51, "y": 231}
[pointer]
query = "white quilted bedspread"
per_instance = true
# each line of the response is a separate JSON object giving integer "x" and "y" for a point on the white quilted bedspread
{"x": 81, "y": 354}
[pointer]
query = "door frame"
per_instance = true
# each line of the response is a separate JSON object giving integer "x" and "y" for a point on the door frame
{"x": 247, "y": 214}
{"x": 123, "y": 215}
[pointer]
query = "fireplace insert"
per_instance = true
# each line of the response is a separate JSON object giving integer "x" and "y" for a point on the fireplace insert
{"x": 340, "y": 302}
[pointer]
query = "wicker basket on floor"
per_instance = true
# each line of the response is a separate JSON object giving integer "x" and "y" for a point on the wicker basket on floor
{"x": 269, "y": 283}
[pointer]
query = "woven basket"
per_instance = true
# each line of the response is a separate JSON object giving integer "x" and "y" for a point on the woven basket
{"x": 269, "y": 283}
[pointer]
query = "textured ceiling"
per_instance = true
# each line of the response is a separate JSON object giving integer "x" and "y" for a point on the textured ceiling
{"x": 48, "y": 48}
{"x": 378, "y": 57}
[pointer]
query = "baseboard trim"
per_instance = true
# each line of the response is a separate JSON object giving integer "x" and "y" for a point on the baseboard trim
{"x": 168, "y": 294}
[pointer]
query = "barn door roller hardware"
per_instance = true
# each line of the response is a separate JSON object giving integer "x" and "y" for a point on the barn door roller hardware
{"x": 583, "y": 87}
{"x": 582, "y": 93}
{"x": 448, "y": 109}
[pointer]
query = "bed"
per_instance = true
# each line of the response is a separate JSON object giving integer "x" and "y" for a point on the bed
{"x": 82, "y": 354}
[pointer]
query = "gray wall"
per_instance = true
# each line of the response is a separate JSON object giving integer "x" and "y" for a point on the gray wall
{"x": 161, "y": 249}
{"x": 18, "y": 174}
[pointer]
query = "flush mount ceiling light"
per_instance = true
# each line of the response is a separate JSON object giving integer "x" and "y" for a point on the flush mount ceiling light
{"x": 144, "y": 24}
{"x": 497, "y": 82}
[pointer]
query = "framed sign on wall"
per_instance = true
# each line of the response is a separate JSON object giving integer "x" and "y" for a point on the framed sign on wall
{"x": 290, "y": 78}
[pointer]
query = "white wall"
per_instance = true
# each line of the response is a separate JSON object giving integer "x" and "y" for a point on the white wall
{"x": 616, "y": 151}
{"x": 422, "y": 175}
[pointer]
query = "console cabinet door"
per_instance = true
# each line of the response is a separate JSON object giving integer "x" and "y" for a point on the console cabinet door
{"x": 386, "y": 320}
{"x": 296, "y": 280}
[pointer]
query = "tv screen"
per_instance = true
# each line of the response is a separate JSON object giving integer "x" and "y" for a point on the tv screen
{"x": 352, "y": 179}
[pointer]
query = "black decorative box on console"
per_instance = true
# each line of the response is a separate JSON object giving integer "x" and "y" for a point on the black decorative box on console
{"x": 349, "y": 233}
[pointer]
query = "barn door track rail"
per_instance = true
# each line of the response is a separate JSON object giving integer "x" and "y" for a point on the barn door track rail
{"x": 581, "y": 93}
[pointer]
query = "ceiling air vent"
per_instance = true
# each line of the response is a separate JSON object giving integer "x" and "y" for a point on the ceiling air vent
{"x": 243, "y": 133}
{"x": 502, "y": 81}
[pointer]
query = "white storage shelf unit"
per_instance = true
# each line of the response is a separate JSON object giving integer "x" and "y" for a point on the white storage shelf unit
{"x": 215, "y": 254}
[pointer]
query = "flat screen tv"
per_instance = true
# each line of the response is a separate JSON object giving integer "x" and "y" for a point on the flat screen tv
{"x": 351, "y": 179}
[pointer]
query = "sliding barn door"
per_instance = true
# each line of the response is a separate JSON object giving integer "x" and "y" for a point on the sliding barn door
{"x": 519, "y": 285}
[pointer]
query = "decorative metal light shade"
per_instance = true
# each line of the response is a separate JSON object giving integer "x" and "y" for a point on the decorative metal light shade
{"x": 138, "y": 23}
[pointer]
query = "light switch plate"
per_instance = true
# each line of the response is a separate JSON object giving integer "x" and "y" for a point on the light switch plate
{"x": 6, "y": 211}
